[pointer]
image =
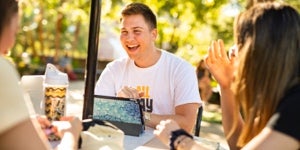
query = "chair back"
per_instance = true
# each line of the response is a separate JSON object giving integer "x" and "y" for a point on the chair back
{"x": 198, "y": 121}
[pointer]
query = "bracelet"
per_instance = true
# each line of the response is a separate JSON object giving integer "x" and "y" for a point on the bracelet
{"x": 184, "y": 143}
{"x": 179, "y": 140}
{"x": 175, "y": 134}
{"x": 147, "y": 116}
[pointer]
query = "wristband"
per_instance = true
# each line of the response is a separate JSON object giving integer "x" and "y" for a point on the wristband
{"x": 147, "y": 116}
{"x": 175, "y": 134}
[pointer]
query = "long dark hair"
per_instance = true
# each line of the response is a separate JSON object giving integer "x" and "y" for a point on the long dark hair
{"x": 268, "y": 39}
{"x": 8, "y": 8}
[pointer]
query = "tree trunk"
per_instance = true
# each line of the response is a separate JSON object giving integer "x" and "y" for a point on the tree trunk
{"x": 40, "y": 31}
{"x": 58, "y": 32}
{"x": 76, "y": 35}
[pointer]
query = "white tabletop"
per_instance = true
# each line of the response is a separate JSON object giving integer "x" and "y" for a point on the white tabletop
{"x": 147, "y": 141}
{"x": 133, "y": 142}
{"x": 130, "y": 142}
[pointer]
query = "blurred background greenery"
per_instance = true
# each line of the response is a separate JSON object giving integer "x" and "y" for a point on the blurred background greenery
{"x": 51, "y": 28}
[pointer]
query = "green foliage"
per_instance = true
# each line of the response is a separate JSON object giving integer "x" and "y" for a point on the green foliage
{"x": 212, "y": 117}
{"x": 185, "y": 27}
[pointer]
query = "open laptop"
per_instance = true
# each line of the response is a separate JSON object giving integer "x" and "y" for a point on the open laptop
{"x": 124, "y": 113}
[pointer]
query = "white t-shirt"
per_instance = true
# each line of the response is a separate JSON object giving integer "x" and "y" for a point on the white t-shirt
{"x": 13, "y": 108}
{"x": 167, "y": 84}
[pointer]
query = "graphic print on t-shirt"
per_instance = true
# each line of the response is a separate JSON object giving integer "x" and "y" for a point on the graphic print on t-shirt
{"x": 146, "y": 102}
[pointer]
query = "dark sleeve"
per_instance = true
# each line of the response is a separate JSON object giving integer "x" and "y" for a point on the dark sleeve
{"x": 287, "y": 116}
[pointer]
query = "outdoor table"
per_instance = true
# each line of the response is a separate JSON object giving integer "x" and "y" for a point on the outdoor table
{"x": 131, "y": 142}
{"x": 148, "y": 141}
{"x": 156, "y": 144}
{"x": 136, "y": 142}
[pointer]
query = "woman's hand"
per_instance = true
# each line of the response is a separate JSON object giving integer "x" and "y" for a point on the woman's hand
{"x": 46, "y": 126}
{"x": 68, "y": 124}
{"x": 164, "y": 129}
{"x": 219, "y": 64}
{"x": 69, "y": 129}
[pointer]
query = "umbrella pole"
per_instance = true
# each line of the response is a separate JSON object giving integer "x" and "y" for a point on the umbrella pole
{"x": 91, "y": 61}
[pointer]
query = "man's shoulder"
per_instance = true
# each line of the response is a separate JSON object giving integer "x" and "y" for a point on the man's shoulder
{"x": 172, "y": 58}
{"x": 119, "y": 62}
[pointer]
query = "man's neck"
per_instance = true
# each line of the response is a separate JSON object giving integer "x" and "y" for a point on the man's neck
{"x": 149, "y": 60}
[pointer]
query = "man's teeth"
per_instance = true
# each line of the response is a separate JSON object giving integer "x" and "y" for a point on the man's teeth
{"x": 133, "y": 47}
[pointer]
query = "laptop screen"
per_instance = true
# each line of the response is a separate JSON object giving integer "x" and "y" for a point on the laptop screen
{"x": 117, "y": 109}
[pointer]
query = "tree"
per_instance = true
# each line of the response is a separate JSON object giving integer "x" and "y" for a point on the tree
{"x": 185, "y": 28}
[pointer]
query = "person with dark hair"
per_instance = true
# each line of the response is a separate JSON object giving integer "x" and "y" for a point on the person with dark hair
{"x": 65, "y": 65}
{"x": 165, "y": 83}
{"x": 204, "y": 81}
{"x": 260, "y": 86}
{"x": 18, "y": 129}
{"x": 9, "y": 22}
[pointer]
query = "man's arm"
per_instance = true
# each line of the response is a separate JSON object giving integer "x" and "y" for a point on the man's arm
{"x": 185, "y": 116}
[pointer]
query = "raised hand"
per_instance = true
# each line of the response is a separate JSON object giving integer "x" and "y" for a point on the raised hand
{"x": 219, "y": 64}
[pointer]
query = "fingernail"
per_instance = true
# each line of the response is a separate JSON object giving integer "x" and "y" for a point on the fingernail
{"x": 48, "y": 130}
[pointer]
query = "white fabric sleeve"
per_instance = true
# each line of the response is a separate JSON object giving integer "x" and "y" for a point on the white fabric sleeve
{"x": 105, "y": 83}
{"x": 109, "y": 82}
{"x": 186, "y": 87}
{"x": 13, "y": 106}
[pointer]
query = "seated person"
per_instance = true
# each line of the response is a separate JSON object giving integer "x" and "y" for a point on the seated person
{"x": 262, "y": 83}
{"x": 18, "y": 130}
{"x": 166, "y": 83}
{"x": 204, "y": 81}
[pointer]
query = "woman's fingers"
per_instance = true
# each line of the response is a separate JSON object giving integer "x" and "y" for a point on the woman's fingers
{"x": 210, "y": 58}
{"x": 43, "y": 121}
{"x": 213, "y": 52}
{"x": 222, "y": 49}
{"x": 219, "y": 50}
{"x": 216, "y": 50}
{"x": 219, "y": 64}
{"x": 216, "y": 54}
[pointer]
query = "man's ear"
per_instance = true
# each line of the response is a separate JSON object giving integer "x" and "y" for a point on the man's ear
{"x": 154, "y": 34}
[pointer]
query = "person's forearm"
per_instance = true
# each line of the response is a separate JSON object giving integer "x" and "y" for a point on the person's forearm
{"x": 185, "y": 143}
{"x": 228, "y": 112}
{"x": 187, "y": 123}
